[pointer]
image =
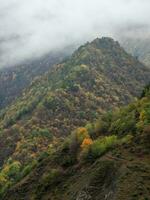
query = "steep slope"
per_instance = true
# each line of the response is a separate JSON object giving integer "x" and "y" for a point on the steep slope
{"x": 107, "y": 160}
{"x": 100, "y": 71}
{"x": 98, "y": 77}
{"x": 14, "y": 79}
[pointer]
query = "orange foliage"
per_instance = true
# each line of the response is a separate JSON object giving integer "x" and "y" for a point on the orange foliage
{"x": 81, "y": 134}
{"x": 86, "y": 142}
{"x": 82, "y": 130}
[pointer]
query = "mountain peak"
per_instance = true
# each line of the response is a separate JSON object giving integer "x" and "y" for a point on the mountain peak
{"x": 107, "y": 46}
{"x": 105, "y": 43}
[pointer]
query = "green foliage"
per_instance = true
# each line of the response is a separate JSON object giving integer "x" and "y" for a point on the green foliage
{"x": 146, "y": 91}
{"x": 100, "y": 146}
{"x": 51, "y": 177}
{"x": 126, "y": 139}
{"x": 12, "y": 170}
{"x": 91, "y": 130}
{"x": 23, "y": 110}
{"x": 97, "y": 78}
{"x": 82, "y": 114}
{"x": 9, "y": 175}
{"x": 68, "y": 159}
{"x": 42, "y": 133}
{"x": 102, "y": 126}
{"x": 4, "y": 184}
{"x": 144, "y": 114}
{"x": 125, "y": 123}
{"x": 3, "y": 179}
{"x": 28, "y": 168}
{"x": 50, "y": 102}
{"x": 17, "y": 78}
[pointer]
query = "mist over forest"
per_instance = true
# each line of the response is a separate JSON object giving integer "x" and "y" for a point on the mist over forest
{"x": 32, "y": 28}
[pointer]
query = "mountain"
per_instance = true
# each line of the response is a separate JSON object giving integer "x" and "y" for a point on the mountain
{"x": 99, "y": 76}
{"x": 107, "y": 160}
{"x": 136, "y": 40}
{"x": 139, "y": 48}
{"x": 14, "y": 79}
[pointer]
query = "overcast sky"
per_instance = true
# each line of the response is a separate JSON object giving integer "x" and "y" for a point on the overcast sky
{"x": 30, "y": 28}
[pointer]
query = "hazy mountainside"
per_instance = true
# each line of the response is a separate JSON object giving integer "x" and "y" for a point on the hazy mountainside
{"x": 14, "y": 79}
{"x": 99, "y": 76}
{"x": 106, "y": 160}
{"x": 139, "y": 48}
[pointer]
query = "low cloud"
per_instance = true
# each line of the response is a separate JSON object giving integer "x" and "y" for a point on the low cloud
{"x": 32, "y": 28}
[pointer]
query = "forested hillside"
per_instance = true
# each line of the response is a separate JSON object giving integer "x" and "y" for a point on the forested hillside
{"x": 108, "y": 159}
{"x": 98, "y": 77}
{"x": 14, "y": 79}
{"x": 75, "y": 100}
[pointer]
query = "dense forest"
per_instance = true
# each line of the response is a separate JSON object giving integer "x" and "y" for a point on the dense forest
{"x": 71, "y": 133}
{"x": 14, "y": 79}
{"x": 108, "y": 159}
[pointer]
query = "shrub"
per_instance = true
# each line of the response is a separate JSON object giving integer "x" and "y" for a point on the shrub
{"x": 28, "y": 168}
{"x": 91, "y": 130}
{"x": 13, "y": 170}
{"x": 124, "y": 124}
{"x": 82, "y": 114}
{"x": 45, "y": 133}
{"x": 84, "y": 154}
{"x": 101, "y": 145}
{"x": 51, "y": 177}
{"x": 102, "y": 125}
{"x": 9, "y": 175}
{"x": 51, "y": 102}
{"x": 145, "y": 137}
{"x": 126, "y": 139}
{"x": 77, "y": 138}
{"x": 3, "y": 180}
{"x": 146, "y": 91}
{"x": 81, "y": 133}
{"x": 86, "y": 142}
{"x": 4, "y": 183}
{"x": 144, "y": 119}
{"x": 68, "y": 160}
{"x": 42, "y": 133}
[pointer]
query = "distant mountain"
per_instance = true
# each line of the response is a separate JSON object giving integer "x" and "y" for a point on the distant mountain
{"x": 136, "y": 41}
{"x": 107, "y": 160}
{"x": 138, "y": 47}
{"x": 14, "y": 79}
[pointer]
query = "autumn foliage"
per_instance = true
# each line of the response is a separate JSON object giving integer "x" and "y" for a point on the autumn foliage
{"x": 86, "y": 142}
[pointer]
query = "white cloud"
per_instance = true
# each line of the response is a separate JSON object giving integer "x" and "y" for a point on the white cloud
{"x": 30, "y": 28}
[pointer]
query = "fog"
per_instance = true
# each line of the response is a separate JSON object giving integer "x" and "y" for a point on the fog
{"x": 32, "y": 28}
